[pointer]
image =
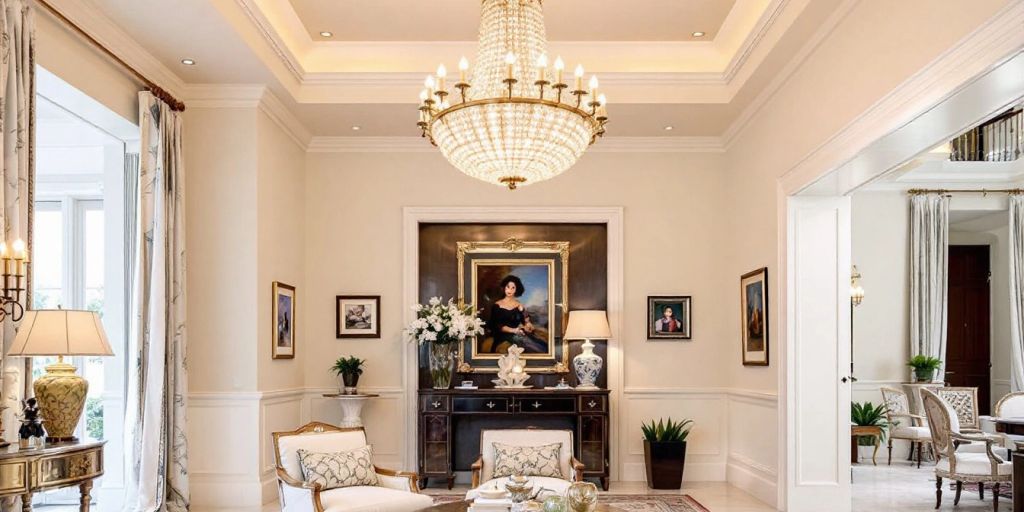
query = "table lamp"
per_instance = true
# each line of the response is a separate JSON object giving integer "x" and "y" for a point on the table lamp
{"x": 587, "y": 325}
{"x": 60, "y": 392}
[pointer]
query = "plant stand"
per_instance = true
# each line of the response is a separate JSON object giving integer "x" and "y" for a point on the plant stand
{"x": 351, "y": 408}
{"x": 856, "y": 432}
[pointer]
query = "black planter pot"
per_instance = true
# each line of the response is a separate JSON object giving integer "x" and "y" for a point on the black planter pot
{"x": 665, "y": 463}
{"x": 350, "y": 379}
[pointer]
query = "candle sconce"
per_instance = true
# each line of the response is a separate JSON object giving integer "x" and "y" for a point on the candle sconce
{"x": 15, "y": 272}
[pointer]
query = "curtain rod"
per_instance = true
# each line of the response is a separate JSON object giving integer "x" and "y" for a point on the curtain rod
{"x": 157, "y": 91}
{"x": 919, "y": 191}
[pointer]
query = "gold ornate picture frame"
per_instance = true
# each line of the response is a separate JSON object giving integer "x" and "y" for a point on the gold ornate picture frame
{"x": 541, "y": 273}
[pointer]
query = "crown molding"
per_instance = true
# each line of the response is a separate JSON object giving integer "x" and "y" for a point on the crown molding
{"x": 91, "y": 19}
{"x": 266, "y": 30}
{"x": 764, "y": 24}
{"x": 249, "y": 96}
{"x": 321, "y": 144}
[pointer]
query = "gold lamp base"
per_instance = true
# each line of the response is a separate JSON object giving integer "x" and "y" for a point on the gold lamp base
{"x": 61, "y": 396}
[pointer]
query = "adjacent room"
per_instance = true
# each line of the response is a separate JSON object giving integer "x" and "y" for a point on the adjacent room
{"x": 511, "y": 255}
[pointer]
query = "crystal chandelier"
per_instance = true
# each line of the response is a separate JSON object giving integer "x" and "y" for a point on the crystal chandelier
{"x": 516, "y": 122}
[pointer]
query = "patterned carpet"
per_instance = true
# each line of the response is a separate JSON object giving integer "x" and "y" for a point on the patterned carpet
{"x": 626, "y": 502}
{"x": 1005, "y": 490}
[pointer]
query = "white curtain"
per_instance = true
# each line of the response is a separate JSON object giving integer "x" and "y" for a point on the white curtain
{"x": 929, "y": 246}
{"x": 1016, "y": 292}
{"x": 17, "y": 132}
{"x": 157, "y": 477}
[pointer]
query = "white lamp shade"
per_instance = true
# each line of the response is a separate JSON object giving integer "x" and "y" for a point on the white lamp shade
{"x": 60, "y": 332}
{"x": 588, "y": 325}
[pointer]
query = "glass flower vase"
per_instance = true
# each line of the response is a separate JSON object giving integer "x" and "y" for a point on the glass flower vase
{"x": 442, "y": 364}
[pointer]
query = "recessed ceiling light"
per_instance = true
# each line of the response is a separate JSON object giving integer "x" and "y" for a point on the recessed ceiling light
{"x": 698, "y": 34}
{"x": 326, "y": 33}
{"x": 669, "y": 128}
{"x": 188, "y": 62}
{"x": 357, "y": 128}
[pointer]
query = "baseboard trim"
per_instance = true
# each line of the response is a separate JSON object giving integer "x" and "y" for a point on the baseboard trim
{"x": 758, "y": 480}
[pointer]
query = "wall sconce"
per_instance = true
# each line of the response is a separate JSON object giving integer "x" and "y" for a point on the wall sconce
{"x": 856, "y": 290}
{"x": 15, "y": 268}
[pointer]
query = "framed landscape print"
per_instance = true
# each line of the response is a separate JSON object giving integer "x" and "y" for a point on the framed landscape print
{"x": 358, "y": 316}
{"x": 669, "y": 317}
{"x": 283, "y": 315}
{"x": 519, "y": 290}
{"x": 754, "y": 315}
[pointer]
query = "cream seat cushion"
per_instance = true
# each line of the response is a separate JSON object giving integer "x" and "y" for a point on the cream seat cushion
{"x": 915, "y": 433}
{"x": 974, "y": 464}
{"x": 557, "y": 485}
{"x": 369, "y": 499}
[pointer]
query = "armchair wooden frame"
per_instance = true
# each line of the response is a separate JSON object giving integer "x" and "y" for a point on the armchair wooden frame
{"x": 897, "y": 406}
{"x": 284, "y": 479}
{"x": 478, "y": 466}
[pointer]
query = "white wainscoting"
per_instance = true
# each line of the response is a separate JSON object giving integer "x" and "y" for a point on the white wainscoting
{"x": 999, "y": 388}
{"x": 752, "y": 463}
{"x": 223, "y": 437}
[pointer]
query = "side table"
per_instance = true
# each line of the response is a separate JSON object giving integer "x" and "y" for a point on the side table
{"x": 858, "y": 431}
{"x": 351, "y": 408}
{"x": 24, "y": 472}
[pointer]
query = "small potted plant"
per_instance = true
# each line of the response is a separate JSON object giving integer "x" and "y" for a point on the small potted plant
{"x": 868, "y": 415}
{"x": 349, "y": 369}
{"x": 924, "y": 367}
{"x": 665, "y": 452}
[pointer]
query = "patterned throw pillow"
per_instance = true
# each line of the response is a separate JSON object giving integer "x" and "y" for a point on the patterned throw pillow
{"x": 527, "y": 460}
{"x": 343, "y": 469}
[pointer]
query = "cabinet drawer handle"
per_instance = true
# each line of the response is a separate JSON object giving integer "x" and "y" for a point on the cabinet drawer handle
{"x": 436, "y": 404}
{"x": 592, "y": 404}
{"x": 490, "y": 405}
{"x": 536, "y": 405}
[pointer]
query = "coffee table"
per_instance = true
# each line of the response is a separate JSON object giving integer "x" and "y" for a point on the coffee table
{"x": 463, "y": 506}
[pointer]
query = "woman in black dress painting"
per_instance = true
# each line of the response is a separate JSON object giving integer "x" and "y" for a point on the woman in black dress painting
{"x": 510, "y": 322}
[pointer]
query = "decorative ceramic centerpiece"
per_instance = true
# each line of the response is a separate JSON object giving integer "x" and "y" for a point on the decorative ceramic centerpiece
{"x": 511, "y": 370}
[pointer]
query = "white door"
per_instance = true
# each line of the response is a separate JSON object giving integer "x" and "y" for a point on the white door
{"x": 817, "y": 355}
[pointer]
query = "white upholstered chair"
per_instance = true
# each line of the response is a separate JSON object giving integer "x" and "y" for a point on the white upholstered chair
{"x": 903, "y": 424}
{"x": 483, "y": 468}
{"x": 1010, "y": 406}
{"x": 956, "y": 464}
{"x": 394, "y": 492}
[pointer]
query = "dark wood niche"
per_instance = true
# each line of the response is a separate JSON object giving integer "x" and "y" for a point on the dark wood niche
{"x": 449, "y": 432}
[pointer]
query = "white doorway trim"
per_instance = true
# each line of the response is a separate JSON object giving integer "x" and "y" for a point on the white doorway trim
{"x": 610, "y": 216}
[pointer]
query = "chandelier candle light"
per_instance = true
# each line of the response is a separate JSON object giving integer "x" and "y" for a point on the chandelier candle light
{"x": 510, "y": 125}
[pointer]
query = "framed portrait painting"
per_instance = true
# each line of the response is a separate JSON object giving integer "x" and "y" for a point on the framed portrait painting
{"x": 358, "y": 316}
{"x": 283, "y": 315}
{"x": 754, "y": 315}
{"x": 669, "y": 317}
{"x": 519, "y": 290}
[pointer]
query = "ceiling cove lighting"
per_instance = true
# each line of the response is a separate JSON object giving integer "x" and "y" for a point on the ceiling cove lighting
{"x": 516, "y": 120}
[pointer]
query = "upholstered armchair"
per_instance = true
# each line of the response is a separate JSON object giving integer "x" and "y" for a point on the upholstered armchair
{"x": 903, "y": 424}
{"x": 1010, "y": 406}
{"x": 483, "y": 469}
{"x": 395, "y": 491}
{"x": 958, "y": 465}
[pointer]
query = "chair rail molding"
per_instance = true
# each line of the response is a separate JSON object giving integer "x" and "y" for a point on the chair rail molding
{"x": 611, "y": 216}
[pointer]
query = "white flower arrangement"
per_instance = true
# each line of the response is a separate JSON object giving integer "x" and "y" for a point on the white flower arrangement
{"x": 443, "y": 323}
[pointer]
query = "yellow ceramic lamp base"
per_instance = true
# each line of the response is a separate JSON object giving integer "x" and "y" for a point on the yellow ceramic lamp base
{"x": 61, "y": 396}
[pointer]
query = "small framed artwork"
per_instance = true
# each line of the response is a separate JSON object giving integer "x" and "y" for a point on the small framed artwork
{"x": 283, "y": 314}
{"x": 358, "y": 316}
{"x": 668, "y": 317}
{"x": 754, "y": 315}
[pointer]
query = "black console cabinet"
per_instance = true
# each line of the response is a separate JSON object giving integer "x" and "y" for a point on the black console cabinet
{"x": 450, "y": 421}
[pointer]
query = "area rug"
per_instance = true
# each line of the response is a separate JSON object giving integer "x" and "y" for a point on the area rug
{"x": 626, "y": 502}
{"x": 1005, "y": 490}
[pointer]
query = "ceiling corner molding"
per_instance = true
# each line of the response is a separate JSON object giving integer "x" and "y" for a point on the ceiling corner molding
{"x": 274, "y": 41}
{"x": 271, "y": 105}
{"x": 92, "y": 20}
{"x": 767, "y": 21}
{"x": 606, "y": 145}
{"x": 998, "y": 41}
{"x": 224, "y": 95}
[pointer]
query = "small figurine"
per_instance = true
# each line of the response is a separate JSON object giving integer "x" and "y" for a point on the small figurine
{"x": 31, "y": 432}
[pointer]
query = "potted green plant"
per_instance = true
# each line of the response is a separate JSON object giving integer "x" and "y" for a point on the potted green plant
{"x": 665, "y": 452}
{"x": 868, "y": 415}
{"x": 924, "y": 367}
{"x": 349, "y": 369}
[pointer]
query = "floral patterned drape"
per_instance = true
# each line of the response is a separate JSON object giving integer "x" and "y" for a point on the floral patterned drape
{"x": 157, "y": 476}
{"x": 17, "y": 167}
